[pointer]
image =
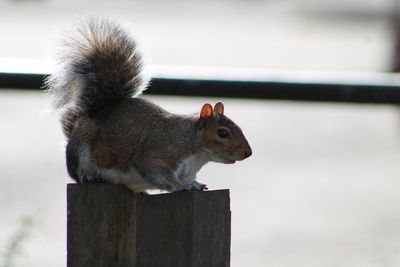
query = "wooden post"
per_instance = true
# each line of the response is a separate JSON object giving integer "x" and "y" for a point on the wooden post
{"x": 109, "y": 226}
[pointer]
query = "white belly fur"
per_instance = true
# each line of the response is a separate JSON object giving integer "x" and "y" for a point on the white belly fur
{"x": 186, "y": 171}
{"x": 188, "y": 168}
{"x": 131, "y": 178}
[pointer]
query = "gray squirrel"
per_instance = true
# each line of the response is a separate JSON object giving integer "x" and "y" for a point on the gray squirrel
{"x": 115, "y": 136}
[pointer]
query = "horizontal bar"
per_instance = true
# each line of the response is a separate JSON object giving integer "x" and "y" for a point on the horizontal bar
{"x": 279, "y": 90}
{"x": 303, "y": 86}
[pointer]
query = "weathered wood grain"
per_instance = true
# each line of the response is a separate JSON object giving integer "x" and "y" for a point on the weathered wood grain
{"x": 108, "y": 226}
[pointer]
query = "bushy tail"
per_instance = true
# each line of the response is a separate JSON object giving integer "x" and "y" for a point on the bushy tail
{"x": 99, "y": 66}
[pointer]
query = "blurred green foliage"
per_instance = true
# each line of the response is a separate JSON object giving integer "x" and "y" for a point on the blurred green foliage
{"x": 14, "y": 246}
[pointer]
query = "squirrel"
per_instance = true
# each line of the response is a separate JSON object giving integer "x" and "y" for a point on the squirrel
{"x": 114, "y": 135}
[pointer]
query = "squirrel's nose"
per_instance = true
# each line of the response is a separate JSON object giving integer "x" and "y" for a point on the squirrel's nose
{"x": 248, "y": 152}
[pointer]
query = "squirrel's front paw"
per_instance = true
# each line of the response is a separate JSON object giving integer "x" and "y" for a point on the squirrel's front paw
{"x": 196, "y": 186}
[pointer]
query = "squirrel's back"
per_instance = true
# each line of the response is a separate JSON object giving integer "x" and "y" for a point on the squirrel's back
{"x": 99, "y": 66}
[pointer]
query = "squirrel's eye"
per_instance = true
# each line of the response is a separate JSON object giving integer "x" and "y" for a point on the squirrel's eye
{"x": 223, "y": 133}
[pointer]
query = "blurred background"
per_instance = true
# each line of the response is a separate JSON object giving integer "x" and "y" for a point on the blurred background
{"x": 321, "y": 188}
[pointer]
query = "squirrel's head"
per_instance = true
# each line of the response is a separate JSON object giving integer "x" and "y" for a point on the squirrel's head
{"x": 220, "y": 137}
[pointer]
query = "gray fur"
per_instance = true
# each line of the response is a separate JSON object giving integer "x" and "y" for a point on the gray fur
{"x": 116, "y": 136}
{"x": 98, "y": 66}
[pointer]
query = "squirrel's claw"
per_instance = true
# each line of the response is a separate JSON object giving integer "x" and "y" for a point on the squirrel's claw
{"x": 196, "y": 186}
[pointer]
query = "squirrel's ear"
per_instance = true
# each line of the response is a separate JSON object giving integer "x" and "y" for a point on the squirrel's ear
{"x": 219, "y": 108}
{"x": 206, "y": 111}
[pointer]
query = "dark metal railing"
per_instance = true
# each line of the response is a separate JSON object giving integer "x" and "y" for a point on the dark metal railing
{"x": 382, "y": 90}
